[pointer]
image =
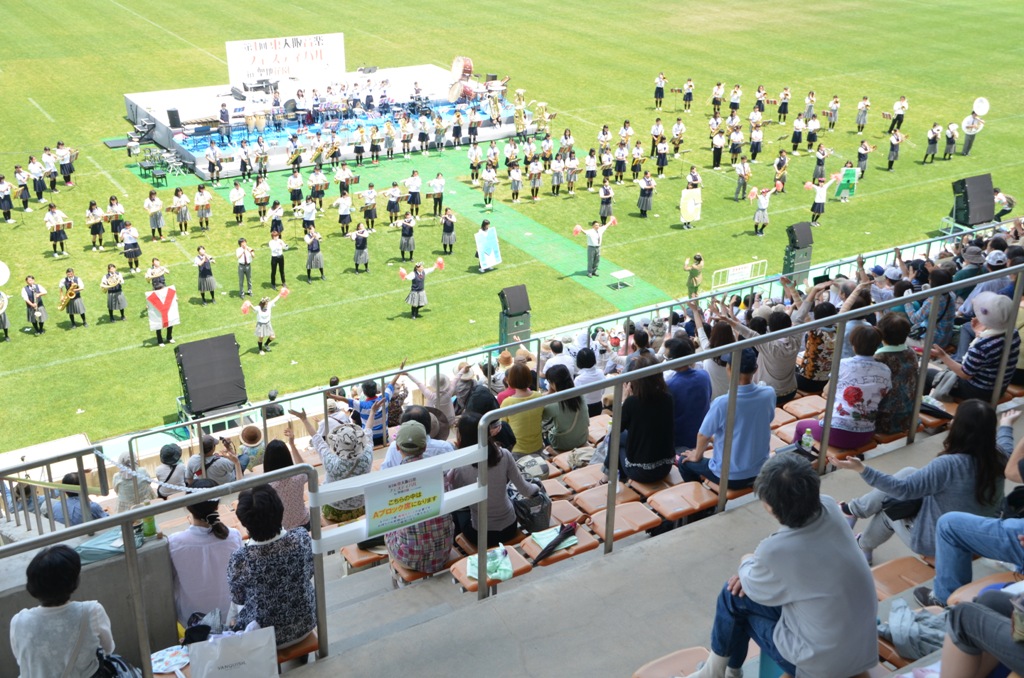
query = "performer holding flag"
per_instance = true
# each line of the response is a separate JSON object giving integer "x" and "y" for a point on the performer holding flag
{"x": 162, "y": 308}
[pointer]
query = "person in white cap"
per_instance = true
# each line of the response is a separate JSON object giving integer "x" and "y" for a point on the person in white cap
{"x": 978, "y": 370}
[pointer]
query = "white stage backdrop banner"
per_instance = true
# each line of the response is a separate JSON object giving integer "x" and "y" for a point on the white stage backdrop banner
{"x": 308, "y": 57}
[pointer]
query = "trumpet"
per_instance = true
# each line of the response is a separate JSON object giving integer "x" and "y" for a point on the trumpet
{"x": 66, "y": 295}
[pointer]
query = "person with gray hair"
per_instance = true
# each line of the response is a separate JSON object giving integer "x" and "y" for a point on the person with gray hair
{"x": 130, "y": 491}
{"x": 786, "y": 594}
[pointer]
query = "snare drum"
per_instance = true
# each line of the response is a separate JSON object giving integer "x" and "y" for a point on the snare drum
{"x": 461, "y": 90}
{"x": 462, "y": 68}
{"x": 250, "y": 123}
{"x": 261, "y": 122}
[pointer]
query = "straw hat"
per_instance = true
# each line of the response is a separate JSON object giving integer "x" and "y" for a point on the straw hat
{"x": 505, "y": 359}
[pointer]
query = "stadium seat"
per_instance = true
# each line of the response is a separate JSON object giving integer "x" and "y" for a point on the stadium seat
{"x": 402, "y": 576}
{"x": 808, "y": 407}
{"x": 561, "y": 462}
{"x": 968, "y": 592}
{"x": 469, "y": 548}
{"x": 685, "y": 499}
{"x": 647, "y": 489}
{"x": 840, "y": 453}
{"x": 886, "y": 438}
{"x": 782, "y": 417}
{"x": 1015, "y": 391}
{"x": 598, "y": 427}
{"x": 629, "y": 519}
{"x": 563, "y": 512}
{"x": 900, "y": 574}
{"x": 357, "y": 558}
{"x": 520, "y": 566}
{"x": 775, "y": 443}
{"x": 585, "y": 542}
{"x": 300, "y": 651}
{"x": 583, "y": 479}
{"x": 731, "y": 494}
{"x": 596, "y": 498}
{"x": 786, "y": 432}
{"x": 556, "y": 490}
{"x": 679, "y": 663}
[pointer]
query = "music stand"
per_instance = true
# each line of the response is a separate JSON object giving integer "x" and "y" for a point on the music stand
{"x": 677, "y": 91}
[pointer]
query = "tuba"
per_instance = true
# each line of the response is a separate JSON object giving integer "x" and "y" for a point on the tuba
{"x": 3, "y": 302}
{"x": 67, "y": 295}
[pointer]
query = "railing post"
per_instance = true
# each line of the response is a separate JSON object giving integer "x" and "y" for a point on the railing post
{"x": 730, "y": 422}
{"x": 613, "y": 467}
{"x": 830, "y": 396}
{"x": 84, "y": 503}
{"x": 922, "y": 374}
{"x": 483, "y": 438}
{"x": 318, "y": 571}
{"x": 1004, "y": 358}
{"x": 131, "y": 560}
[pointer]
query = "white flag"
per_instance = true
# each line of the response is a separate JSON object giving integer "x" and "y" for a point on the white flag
{"x": 162, "y": 305}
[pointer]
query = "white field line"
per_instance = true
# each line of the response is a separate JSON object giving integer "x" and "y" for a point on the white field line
{"x": 169, "y": 32}
{"x": 45, "y": 114}
{"x": 105, "y": 173}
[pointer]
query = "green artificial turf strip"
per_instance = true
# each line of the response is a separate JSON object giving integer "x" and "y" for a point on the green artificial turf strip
{"x": 593, "y": 63}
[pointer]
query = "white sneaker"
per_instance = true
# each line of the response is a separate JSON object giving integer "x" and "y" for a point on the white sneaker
{"x": 94, "y": 248}
{"x": 170, "y": 341}
{"x": 66, "y": 254}
{"x": 261, "y": 352}
{"x": 10, "y": 221}
{"x": 101, "y": 249}
{"x": 55, "y": 255}
{"x": 42, "y": 200}
{"x": 28, "y": 209}
{"x": 161, "y": 344}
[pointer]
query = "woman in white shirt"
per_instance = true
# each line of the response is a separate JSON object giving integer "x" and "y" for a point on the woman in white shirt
{"x": 261, "y": 196}
{"x": 437, "y": 189}
{"x": 237, "y": 198}
{"x": 557, "y": 174}
{"x": 155, "y": 207}
{"x": 590, "y": 169}
{"x": 201, "y": 202}
{"x": 276, "y": 246}
{"x": 180, "y": 205}
{"x": 587, "y": 373}
{"x": 199, "y": 559}
{"x": 264, "y": 330}
{"x": 572, "y": 171}
{"x": 344, "y": 205}
{"x": 130, "y": 237}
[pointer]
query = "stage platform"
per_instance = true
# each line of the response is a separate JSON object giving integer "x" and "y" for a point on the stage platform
{"x": 198, "y": 108}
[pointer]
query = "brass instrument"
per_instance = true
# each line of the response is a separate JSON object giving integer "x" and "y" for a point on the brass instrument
{"x": 66, "y": 295}
{"x": 109, "y": 282}
{"x": 296, "y": 155}
{"x": 332, "y": 149}
{"x": 316, "y": 154}
{"x": 157, "y": 272}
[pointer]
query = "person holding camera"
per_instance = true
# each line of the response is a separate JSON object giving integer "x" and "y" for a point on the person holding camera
{"x": 221, "y": 468}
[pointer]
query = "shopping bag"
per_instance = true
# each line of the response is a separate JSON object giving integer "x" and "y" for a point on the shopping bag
{"x": 252, "y": 654}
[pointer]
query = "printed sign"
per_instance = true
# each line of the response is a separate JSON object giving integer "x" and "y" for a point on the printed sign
{"x": 306, "y": 57}
{"x": 487, "y": 248}
{"x": 162, "y": 306}
{"x": 689, "y": 205}
{"x": 404, "y": 501}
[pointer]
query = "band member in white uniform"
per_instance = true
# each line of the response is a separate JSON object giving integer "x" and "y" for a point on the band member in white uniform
{"x": 237, "y": 198}
{"x": 261, "y": 196}
{"x": 318, "y": 186}
{"x": 820, "y": 196}
{"x": 933, "y": 142}
{"x": 94, "y": 220}
{"x": 742, "y": 177}
{"x": 761, "y": 214}
{"x": 38, "y": 174}
{"x": 76, "y": 305}
{"x": 798, "y": 132}
{"x": 112, "y": 283}
{"x": 49, "y": 161}
{"x": 862, "y": 158}
{"x": 414, "y": 185}
{"x": 952, "y": 134}
{"x": 657, "y": 132}
{"x": 833, "y": 111}
{"x": 972, "y": 126}
{"x": 207, "y": 283}
{"x": 895, "y": 139}
{"x": 179, "y": 204}
{"x": 448, "y": 231}
{"x": 56, "y": 223}
{"x": 245, "y": 160}
{"x": 607, "y": 196}
{"x": 687, "y": 94}
{"x": 276, "y": 247}
{"x": 201, "y": 201}
{"x": 132, "y": 251}
{"x": 515, "y": 179}
{"x": 369, "y": 207}
{"x": 475, "y": 156}
{"x": 35, "y": 307}
{"x": 6, "y": 204}
{"x": 244, "y": 256}
{"x": 784, "y": 96}
{"x": 213, "y": 163}
{"x": 645, "y": 203}
{"x": 115, "y": 217}
{"x": 67, "y": 167}
{"x": 863, "y": 106}
{"x": 899, "y": 110}
{"x": 659, "y": 91}
{"x": 437, "y": 189}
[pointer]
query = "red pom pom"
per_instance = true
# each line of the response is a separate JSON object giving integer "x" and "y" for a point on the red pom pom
{"x": 613, "y": 222}
{"x": 246, "y": 307}
{"x": 440, "y": 264}
{"x": 577, "y": 229}
{"x": 779, "y": 186}
{"x": 285, "y": 292}
{"x": 809, "y": 186}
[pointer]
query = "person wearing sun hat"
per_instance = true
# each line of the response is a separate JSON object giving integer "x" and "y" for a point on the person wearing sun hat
{"x": 170, "y": 470}
{"x": 438, "y": 391}
{"x": 346, "y": 451}
{"x": 974, "y": 264}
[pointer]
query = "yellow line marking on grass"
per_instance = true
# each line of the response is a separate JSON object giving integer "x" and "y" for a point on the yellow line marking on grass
{"x": 169, "y": 32}
{"x": 45, "y": 114}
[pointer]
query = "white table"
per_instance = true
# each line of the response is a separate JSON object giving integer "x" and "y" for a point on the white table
{"x": 621, "y": 277}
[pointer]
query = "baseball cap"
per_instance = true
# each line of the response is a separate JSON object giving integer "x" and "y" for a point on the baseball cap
{"x": 412, "y": 438}
{"x": 748, "y": 360}
{"x": 893, "y": 273}
{"x": 877, "y": 270}
{"x": 996, "y": 258}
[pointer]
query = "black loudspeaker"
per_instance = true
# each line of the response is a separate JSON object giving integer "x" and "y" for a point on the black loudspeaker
{"x": 173, "y": 119}
{"x": 514, "y": 300}
{"x": 973, "y": 203}
{"x": 800, "y": 235}
{"x": 211, "y": 374}
{"x": 491, "y": 76}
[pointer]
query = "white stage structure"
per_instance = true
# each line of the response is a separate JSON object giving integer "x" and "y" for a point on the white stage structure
{"x": 185, "y": 120}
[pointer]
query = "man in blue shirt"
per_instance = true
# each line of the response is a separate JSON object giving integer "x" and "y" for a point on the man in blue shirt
{"x": 751, "y": 432}
{"x": 691, "y": 395}
{"x": 74, "y": 503}
{"x": 363, "y": 407}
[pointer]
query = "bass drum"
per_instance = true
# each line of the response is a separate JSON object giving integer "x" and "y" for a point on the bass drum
{"x": 462, "y": 68}
{"x": 461, "y": 90}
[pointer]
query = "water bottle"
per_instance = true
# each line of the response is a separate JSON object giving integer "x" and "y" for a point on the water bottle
{"x": 807, "y": 440}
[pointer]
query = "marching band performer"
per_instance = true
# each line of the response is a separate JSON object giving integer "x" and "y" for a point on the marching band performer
{"x": 933, "y": 142}
{"x": 490, "y": 178}
{"x": 645, "y": 202}
{"x": 693, "y": 179}
{"x": 448, "y": 231}
{"x": 657, "y": 132}
{"x": 343, "y": 176}
{"x": 798, "y": 132}
{"x": 717, "y": 146}
{"x": 607, "y": 162}
{"x": 732, "y": 122}
{"x": 94, "y": 220}
{"x": 819, "y": 162}
{"x": 899, "y": 110}
{"x": 862, "y": 158}
{"x": 637, "y": 164}
{"x": 115, "y": 216}
{"x": 314, "y": 256}
{"x": 833, "y": 111}
{"x": 5, "y": 324}
{"x": 761, "y": 213}
{"x": 244, "y": 256}
{"x": 952, "y": 134}
{"x": 566, "y": 143}
{"x": 414, "y": 184}
{"x": 457, "y": 129}
{"x": 179, "y": 204}
{"x": 755, "y": 117}
{"x": 440, "y": 130}
{"x": 49, "y": 161}
{"x": 895, "y": 139}
{"x": 245, "y": 160}
{"x": 659, "y": 92}
{"x": 262, "y": 157}
{"x": 72, "y": 286}
{"x": 369, "y": 207}
{"x": 393, "y": 196}
{"x": 756, "y": 141}
{"x": 536, "y": 172}
{"x": 201, "y": 201}
{"x": 264, "y": 330}
{"x": 37, "y": 172}
{"x": 407, "y": 241}
{"x": 714, "y": 124}
{"x": 515, "y": 178}
{"x": 813, "y": 126}
{"x": 294, "y": 186}
{"x": 213, "y": 162}
{"x": 547, "y": 148}
{"x": 511, "y": 152}
{"x": 276, "y": 247}
{"x": 606, "y": 194}
{"x": 742, "y": 177}
{"x": 621, "y": 153}
{"x": 784, "y": 96}
{"x": 437, "y": 190}
{"x": 359, "y": 144}
{"x": 390, "y": 133}
{"x": 362, "y": 254}
{"x": 293, "y": 149}
{"x": 687, "y": 94}
{"x": 717, "y": 92}
{"x": 781, "y": 166}
{"x": 735, "y": 144}
{"x": 972, "y": 126}
{"x": 734, "y": 98}
{"x": 112, "y": 284}
{"x": 67, "y": 167}
{"x": 678, "y": 130}
{"x": 572, "y": 172}
{"x": 155, "y": 207}
{"x": 820, "y": 196}
{"x": 759, "y": 96}
{"x": 318, "y": 186}
{"x": 344, "y": 205}
{"x": 156, "y": 273}
{"x": 132, "y": 251}
{"x": 809, "y": 101}
{"x": 237, "y": 198}
{"x": 529, "y": 147}
{"x": 417, "y": 297}
{"x": 557, "y": 174}
{"x": 333, "y": 150}
{"x": 475, "y": 156}
{"x": 406, "y": 131}
{"x": 5, "y": 199}
{"x": 862, "y": 114}
{"x": 376, "y": 137}
{"x": 207, "y": 283}
{"x": 308, "y": 214}
{"x": 35, "y": 306}
{"x": 590, "y": 169}
{"x": 474, "y": 124}
{"x": 426, "y": 129}
{"x": 626, "y": 132}
{"x": 21, "y": 178}
{"x": 604, "y": 139}
{"x": 56, "y": 223}
{"x": 260, "y": 196}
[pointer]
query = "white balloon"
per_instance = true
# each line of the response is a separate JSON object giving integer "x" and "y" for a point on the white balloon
{"x": 5, "y": 273}
{"x": 981, "y": 106}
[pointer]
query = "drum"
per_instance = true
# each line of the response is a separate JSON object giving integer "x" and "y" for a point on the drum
{"x": 461, "y": 90}
{"x": 261, "y": 122}
{"x": 496, "y": 86}
{"x": 250, "y": 123}
{"x": 462, "y": 68}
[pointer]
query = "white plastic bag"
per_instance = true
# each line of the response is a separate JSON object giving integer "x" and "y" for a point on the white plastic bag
{"x": 252, "y": 654}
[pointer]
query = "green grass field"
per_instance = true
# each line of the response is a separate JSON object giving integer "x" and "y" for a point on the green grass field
{"x": 64, "y": 71}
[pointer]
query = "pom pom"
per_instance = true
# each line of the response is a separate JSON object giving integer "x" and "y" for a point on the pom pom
{"x": 752, "y": 194}
{"x": 577, "y": 229}
{"x": 779, "y": 186}
{"x": 440, "y": 264}
{"x": 809, "y": 186}
{"x": 836, "y": 177}
{"x": 402, "y": 274}
{"x": 613, "y": 222}
{"x": 246, "y": 307}
{"x": 285, "y": 292}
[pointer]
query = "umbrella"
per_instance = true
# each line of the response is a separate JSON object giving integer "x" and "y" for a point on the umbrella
{"x": 567, "y": 530}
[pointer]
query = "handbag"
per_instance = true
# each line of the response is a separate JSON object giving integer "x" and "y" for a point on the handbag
{"x": 252, "y": 654}
{"x": 901, "y": 509}
{"x": 533, "y": 467}
{"x": 114, "y": 666}
{"x": 533, "y": 513}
